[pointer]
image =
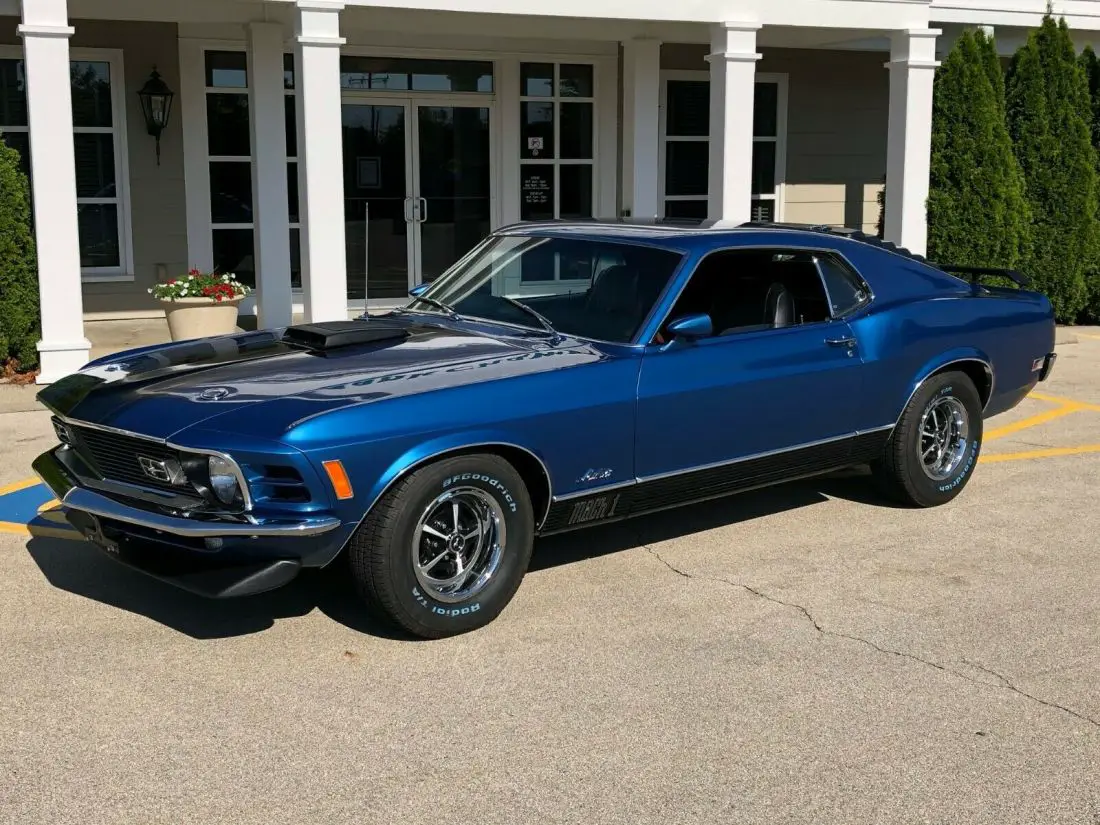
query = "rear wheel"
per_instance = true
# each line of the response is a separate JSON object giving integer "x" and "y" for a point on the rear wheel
{"x": 445, "y": 549}
{"x": 933, "y": 449}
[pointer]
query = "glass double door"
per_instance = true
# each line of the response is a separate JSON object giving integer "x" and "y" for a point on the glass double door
{"x": 417, "y": 191}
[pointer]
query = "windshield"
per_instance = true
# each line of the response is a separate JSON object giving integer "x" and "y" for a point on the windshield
{"x": 589, "y": 288}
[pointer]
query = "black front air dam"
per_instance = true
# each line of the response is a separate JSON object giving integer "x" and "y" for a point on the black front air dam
{"x": 188, "y": 571}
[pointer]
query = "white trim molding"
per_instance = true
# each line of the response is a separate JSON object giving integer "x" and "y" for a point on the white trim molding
{"x": 270, "y": 208}
{"x": 641, "y": 127}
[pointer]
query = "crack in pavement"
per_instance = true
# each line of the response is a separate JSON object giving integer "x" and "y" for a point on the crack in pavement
{"x": 1002, "y": 682}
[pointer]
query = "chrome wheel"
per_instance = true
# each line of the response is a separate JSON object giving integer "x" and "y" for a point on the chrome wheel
{"x": 458, "y": 544}
{"x": 944, "y": 437}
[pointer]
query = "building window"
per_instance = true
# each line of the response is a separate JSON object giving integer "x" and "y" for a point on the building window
{"x": 229, "y": 152}
{"x": 99, "y": 147}
{"x": 685, "y": 157}
{"x": 400, "y": 74}
{"x": 557, "y": 141}
{"x": 292, "y": 171}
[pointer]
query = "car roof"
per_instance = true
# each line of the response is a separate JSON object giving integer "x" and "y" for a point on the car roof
{"x": 685, "y": 234}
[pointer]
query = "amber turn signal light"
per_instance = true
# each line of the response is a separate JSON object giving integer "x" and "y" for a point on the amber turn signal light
{"x": 338, "y": 477}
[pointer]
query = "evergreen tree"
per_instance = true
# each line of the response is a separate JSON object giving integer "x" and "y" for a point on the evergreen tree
{"x": 1090, "y": 64}
{"x": 19, "y": 320}
{"x": 1048, "y": 112}
{"x": 988, "y": 47}
{"x": 977, "y": 209}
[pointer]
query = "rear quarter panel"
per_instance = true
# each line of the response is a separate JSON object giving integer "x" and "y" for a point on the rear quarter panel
{"x": 922, "y": 320}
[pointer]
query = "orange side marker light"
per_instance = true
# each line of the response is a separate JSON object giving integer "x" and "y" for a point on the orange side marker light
{"x": 338, "y": 477}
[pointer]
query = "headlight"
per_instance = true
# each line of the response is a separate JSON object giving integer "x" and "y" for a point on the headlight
{"x": 223, "y": 479}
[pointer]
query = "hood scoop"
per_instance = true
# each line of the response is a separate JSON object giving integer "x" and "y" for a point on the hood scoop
{"x": 332, "y": 335}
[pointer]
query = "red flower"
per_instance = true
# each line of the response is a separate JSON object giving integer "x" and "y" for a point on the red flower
{"x": 171, "y": 281}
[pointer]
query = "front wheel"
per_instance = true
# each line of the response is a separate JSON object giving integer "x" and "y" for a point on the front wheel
{"x": 933, "y": 449}
{"x": 445, "y": 549}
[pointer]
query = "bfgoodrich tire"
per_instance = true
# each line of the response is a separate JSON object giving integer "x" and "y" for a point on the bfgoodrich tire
{"x": 934, "y": 448}
{"x": 445, "y": 549}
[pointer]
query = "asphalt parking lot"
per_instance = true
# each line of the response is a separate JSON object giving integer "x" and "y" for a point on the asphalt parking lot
{"x": 804, "y": 654}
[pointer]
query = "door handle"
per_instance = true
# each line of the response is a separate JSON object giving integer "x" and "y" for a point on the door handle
{"x": 841, "y": 342}
{"x": 410, "y": 210}
{"x": 423, "y": 209}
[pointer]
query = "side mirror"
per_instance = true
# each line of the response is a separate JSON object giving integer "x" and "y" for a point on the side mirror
{"x": 419, "y": 289}
{"x": 692, "y": 327}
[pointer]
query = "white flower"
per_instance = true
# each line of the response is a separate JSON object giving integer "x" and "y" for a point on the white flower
{"x": 150, "y": 290}
{"x": 225, "y": 278}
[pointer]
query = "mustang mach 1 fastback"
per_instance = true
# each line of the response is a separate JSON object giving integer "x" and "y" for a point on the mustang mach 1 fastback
{"x": 560, "y": 375}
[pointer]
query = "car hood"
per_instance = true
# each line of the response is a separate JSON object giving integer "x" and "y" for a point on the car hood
{"x": 158, "y": 391}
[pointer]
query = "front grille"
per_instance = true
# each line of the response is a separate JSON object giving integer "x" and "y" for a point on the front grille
{"x": 115, "y": 457}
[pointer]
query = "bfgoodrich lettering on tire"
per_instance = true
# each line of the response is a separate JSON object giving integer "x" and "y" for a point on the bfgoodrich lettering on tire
{"x": 445, "y": 549}
{"x": 934, "y": 448}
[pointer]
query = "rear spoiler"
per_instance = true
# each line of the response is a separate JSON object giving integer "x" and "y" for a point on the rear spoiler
{"x": 975, "y": 273}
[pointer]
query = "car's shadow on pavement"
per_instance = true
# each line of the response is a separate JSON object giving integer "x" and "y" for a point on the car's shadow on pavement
{"x": 574, "y": 546}
{"x": 77, "y": 567}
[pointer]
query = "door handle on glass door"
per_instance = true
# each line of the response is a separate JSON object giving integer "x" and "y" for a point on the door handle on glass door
{"x": 423, "y": 211}
{"x": 410, "y": 210}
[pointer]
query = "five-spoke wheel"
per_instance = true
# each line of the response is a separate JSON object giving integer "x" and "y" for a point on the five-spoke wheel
{"x": 933, "y": 449}
{"x": 458, "y": 543}
{"x": 944, "y": 429}
{"x": 446, "y": 547}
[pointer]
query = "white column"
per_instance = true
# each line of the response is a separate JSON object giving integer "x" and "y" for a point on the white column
{"x": 317, "y": 67}
{"x": 732, "y": 85}
{"x": 269, "y": 181}
{"x": 641, "y": 122}
{"x": 46, "y": 32}
{"x": 191, "y": 105}
{"x": 909, "y": 144}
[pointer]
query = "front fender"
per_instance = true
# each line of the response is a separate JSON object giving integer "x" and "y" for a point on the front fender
{"x": 449, "y": 443}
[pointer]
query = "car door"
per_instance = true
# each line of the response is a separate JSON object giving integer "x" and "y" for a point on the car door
{"x": 787, "y": 395}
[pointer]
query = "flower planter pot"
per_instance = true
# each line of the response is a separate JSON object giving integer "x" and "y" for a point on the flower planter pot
{"x": 201, "y": 317}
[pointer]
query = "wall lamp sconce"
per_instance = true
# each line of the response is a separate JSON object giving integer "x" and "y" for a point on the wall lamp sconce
{"x": 156, "y": 105}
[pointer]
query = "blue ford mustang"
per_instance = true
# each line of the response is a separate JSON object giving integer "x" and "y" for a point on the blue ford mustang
{"x": 560, "y": 375}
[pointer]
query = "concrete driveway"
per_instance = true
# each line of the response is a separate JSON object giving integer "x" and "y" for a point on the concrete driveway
{"x": 804, "y": 654}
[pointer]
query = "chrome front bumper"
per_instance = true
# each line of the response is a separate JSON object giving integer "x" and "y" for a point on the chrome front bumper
{"x": 74, "y": 497}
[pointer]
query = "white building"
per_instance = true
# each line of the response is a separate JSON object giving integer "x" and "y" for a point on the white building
{"x": 335, "y": 153}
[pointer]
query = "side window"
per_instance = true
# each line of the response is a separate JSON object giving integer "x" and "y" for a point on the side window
{"x": 748, "y": 290}
{"x": 844, "y": 288}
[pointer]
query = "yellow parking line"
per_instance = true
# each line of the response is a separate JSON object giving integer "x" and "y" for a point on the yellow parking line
{"x": 16, "y": 486}
{"x": 1082, "y": 405}
{"x": 1034, "y": 420}
{"x": 38, "y": 531}
{"x": 987, "y": 458}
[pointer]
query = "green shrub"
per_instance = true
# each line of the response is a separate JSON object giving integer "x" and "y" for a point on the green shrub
{"x": 977, "y": 209}
{"x": 19, "y": 319}
{"x": 1048, "y": 111}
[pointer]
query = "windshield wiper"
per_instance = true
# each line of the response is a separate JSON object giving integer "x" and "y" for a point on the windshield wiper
{"x": 437, "y": 304}
{"x": 536, "y": 315}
